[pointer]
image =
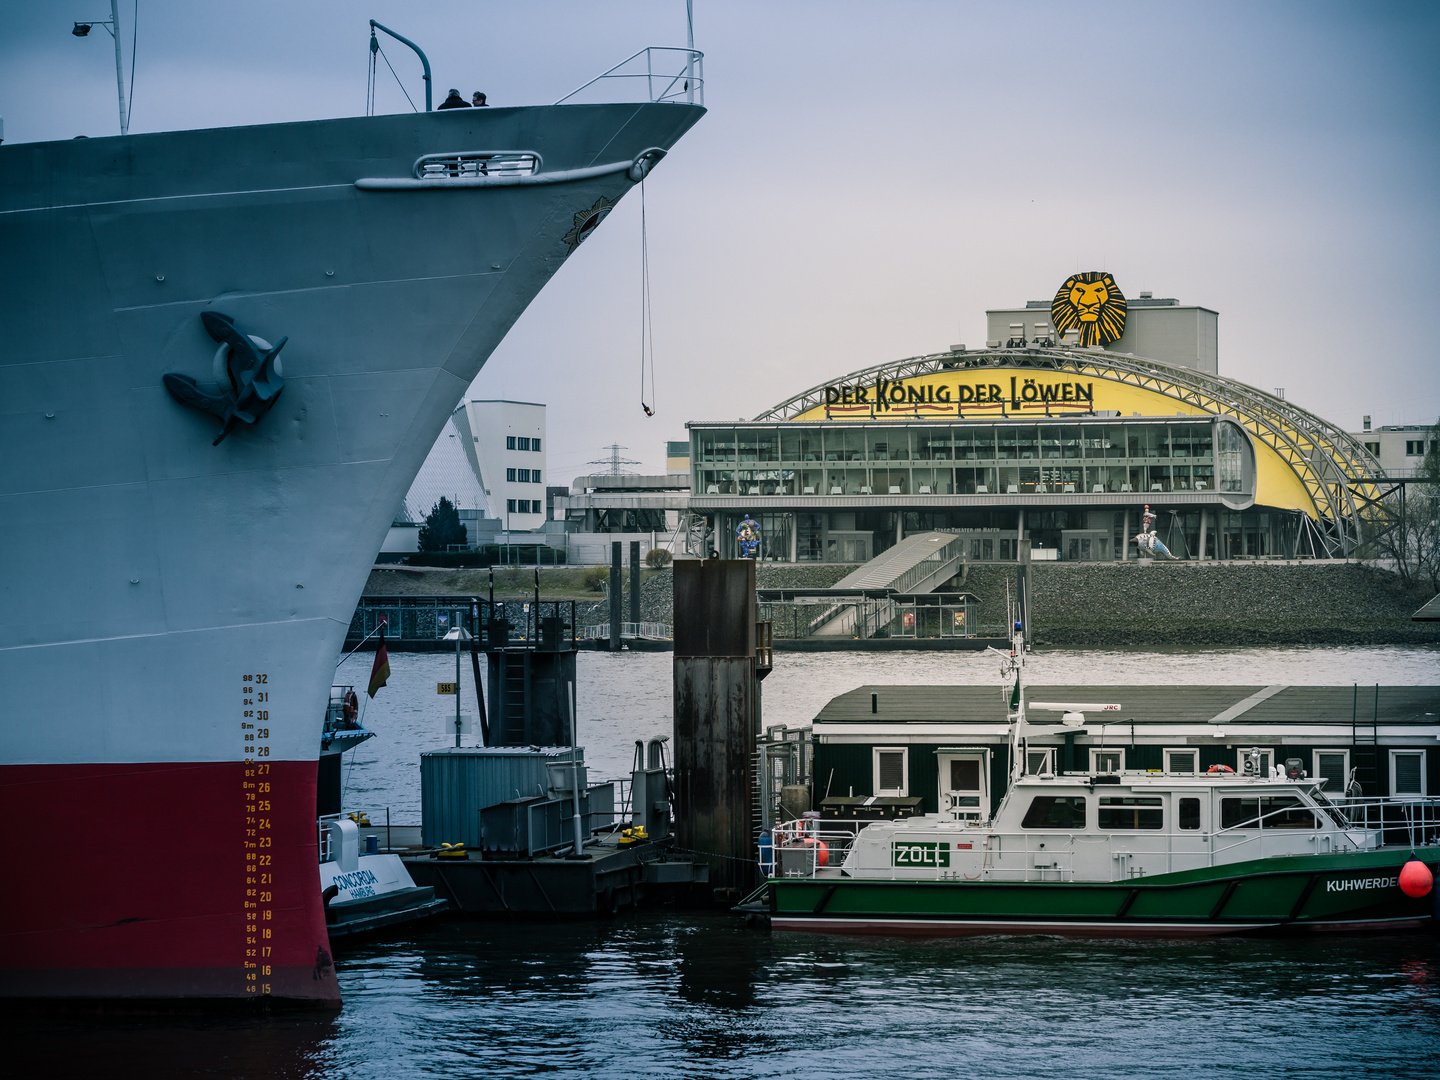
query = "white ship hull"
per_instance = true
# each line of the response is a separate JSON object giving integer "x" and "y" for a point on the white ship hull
{"x": 174, "y": 609}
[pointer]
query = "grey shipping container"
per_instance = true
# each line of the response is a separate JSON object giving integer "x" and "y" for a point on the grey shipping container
{"x": 457, "y": 782}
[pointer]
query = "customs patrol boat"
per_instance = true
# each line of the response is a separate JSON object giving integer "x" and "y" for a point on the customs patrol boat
{"x": 1117, "y": 853}
{"x": 225, "y": 356}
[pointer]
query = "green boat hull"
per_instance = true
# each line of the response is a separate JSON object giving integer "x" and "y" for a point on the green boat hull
{"x": 1306, "y": 893}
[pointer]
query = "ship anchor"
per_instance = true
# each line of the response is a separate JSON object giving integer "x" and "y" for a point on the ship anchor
{"x": 253, "y": 375}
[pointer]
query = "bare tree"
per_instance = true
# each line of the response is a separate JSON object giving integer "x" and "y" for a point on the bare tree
{"x": 1407, "y": 523}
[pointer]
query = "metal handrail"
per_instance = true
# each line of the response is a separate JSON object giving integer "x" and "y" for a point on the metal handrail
{"x": 601, "y": 631}
{"x": 690, "y": 79}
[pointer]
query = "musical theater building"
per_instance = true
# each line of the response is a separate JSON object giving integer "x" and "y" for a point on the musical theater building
{"x": 1060, "y": 430}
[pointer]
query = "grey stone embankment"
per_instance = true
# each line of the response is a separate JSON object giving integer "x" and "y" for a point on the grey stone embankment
{"x": 1210, "y": 603}
{"x": 1101, "y": 604}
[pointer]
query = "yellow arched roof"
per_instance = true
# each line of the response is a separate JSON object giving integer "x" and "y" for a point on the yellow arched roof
{"x": 1303, "y": 462}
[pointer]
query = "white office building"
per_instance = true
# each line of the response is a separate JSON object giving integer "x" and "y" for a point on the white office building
{"x": 1399, "y": 448}
{"x": 507, "y": 440}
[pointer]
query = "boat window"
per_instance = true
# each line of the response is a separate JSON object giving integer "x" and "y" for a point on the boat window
{"x": 1180, "y": 762}
{"x": 1239, "y": 813}
{"x": 1055, "y": 812}
{"x": 1272, "y": 812}
{"x": 1131, "y": 812}
{"x": 1189, "y": 816}
{"x": 1288, "y": 812}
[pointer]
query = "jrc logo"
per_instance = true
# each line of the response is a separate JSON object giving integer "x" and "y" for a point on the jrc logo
{"x": 1349, "y": 884}
{"x": 906, "y": 853}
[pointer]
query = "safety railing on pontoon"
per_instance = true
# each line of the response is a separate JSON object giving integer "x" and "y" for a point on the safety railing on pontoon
{"x": 670, "y": 74}
{"x": 658, "y": 631}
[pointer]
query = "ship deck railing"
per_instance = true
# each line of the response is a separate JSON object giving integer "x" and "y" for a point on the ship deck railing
{"x": 670, "y": 73}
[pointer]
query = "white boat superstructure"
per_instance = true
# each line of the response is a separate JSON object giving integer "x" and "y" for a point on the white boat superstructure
{"x": 1114, "y": 828}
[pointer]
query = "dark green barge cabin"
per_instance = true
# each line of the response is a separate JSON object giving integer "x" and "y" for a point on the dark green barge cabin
{"x": 948, "y": 745}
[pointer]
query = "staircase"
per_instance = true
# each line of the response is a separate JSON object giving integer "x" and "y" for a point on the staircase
{"x": 919, "y": 563}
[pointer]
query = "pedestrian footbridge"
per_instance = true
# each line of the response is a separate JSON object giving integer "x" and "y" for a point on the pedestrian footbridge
{"x": 875, "y": 597}
{"x": 919, "y": 563}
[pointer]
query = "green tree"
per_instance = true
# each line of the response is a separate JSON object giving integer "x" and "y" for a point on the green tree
{"x": 442, "y": 527}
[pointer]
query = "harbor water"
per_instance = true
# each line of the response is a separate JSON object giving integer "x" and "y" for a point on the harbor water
{"x": 626, "y": 696}
{"x": 665, "y": 994}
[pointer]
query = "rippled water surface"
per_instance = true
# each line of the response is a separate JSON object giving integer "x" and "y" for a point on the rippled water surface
{"x": 663, "y": 994}
{"x": 685, "y": 996}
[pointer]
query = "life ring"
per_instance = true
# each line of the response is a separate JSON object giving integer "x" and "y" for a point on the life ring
{"x": 822, "y": 851}
{"x": 1218, "y": 769}
{"x": 352, "y": 706}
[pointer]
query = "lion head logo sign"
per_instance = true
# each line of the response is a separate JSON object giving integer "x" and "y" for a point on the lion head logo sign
{"x": 1091, "y": 303}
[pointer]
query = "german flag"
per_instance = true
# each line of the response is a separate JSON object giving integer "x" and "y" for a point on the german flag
{"x": 380, "y": 673}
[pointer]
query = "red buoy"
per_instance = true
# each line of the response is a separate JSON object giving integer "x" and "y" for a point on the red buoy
{"x": 1415, "y": 878}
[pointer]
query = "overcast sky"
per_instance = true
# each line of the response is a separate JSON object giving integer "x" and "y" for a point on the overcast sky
{"x": 871, "y": 177}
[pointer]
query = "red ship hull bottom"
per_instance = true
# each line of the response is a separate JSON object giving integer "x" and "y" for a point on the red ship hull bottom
{"x": 178, "y": 881}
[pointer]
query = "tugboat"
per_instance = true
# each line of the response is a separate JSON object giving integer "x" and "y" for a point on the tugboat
{"x": 362, "y": 889}
{"x": 1119, "y": 854}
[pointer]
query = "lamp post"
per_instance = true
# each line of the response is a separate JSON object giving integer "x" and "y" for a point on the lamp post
{"x": 457, "y": 634}
{"x": 112, "y": 25}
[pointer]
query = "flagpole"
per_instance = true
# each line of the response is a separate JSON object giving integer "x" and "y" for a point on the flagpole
{"x": 380, "y": 670}
{"x": 367, "y": 637}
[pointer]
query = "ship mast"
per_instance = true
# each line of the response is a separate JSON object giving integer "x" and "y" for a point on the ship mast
{"x": 1012, "y": 670}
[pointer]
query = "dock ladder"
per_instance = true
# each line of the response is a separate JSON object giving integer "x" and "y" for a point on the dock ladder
{"x": 1365, "y": 744}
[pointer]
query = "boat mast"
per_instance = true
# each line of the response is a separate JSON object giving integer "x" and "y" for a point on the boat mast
{"x": 1018, "y": 609}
